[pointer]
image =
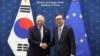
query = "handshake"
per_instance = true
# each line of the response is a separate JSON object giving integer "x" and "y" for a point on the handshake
{"x": 43, "y": 45}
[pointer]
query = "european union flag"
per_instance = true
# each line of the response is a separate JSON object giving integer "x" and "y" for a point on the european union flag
{"x": 75, "y": 20}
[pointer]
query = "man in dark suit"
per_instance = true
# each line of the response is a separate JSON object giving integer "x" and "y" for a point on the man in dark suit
{"x": 63, "y": 38}
{"x": 39, "y": 38}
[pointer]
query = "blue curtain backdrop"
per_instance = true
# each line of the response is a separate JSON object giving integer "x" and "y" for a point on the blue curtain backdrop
{"x": 91, "y": 16}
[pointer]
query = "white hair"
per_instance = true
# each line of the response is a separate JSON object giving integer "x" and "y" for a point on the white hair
{"x": 40, "y": 17}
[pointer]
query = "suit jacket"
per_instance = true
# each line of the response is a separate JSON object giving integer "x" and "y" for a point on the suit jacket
{"x": 34, "y": 40}
{"x": 66, "y": 45}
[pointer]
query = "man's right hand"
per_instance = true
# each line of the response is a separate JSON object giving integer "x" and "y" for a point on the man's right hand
{"x": 43, "y": 45}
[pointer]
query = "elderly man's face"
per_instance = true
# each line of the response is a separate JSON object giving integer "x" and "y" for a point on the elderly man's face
{"x": 59, "y": 20}
{"x": 40, "y": 21}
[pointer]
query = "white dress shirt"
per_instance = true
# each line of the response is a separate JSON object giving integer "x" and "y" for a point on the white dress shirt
{"x": 41, "y": 32}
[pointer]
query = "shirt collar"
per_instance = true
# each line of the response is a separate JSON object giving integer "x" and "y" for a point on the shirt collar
{"x": 61, "y": 27}
{"x": 41, "y": 28}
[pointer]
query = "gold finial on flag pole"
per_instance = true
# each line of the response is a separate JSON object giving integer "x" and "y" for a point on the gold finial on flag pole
{"x": 25, "y": 0}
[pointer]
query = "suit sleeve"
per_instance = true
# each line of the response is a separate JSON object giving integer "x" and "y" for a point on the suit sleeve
{"x": 48, "y": 38}
{"x": 72, "y": 41}
{"x": 31, "y": 40}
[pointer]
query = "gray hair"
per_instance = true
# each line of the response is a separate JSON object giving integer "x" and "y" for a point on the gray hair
{"x": 40, "y": 17}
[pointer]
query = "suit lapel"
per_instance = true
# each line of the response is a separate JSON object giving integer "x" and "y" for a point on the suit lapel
{"x": 44, "y": 32}
{"x": 56, "y": 34}
{"x": 38, "y": 33}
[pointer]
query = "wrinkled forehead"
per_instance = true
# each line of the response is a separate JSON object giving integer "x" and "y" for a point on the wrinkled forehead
{"x": 40, "y": 17}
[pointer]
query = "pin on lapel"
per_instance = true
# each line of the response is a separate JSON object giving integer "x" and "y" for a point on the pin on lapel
{"x": 45, "y": 31}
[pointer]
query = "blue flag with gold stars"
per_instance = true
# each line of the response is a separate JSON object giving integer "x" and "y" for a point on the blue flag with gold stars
{"x": 74, "y": 19}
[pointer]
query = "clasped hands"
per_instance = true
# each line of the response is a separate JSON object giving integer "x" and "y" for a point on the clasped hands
{"x": 43, "y": 45}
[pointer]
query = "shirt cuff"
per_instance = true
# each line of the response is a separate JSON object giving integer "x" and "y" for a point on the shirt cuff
{"x": 72, "y": 55}
{"x": 40, "y": 44}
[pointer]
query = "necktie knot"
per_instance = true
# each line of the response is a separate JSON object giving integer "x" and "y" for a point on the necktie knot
{"x": 59, "y": 28}
{"x": 39, "y": 28}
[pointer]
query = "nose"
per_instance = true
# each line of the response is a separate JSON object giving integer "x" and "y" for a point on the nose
{"x": 40, "y": 22}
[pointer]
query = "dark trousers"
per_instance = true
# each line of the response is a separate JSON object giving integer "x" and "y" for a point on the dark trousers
{"x": 57, "y": 53}
{"x": 44, "y": 54}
